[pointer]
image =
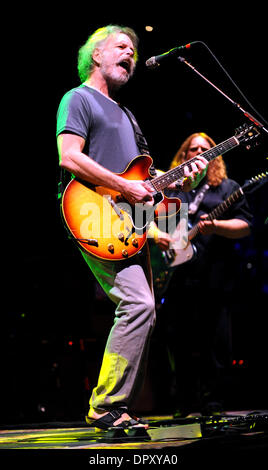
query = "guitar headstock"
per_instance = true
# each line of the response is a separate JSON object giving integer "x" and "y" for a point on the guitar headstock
{"x": 247, "y": 134}
{"x": 261, "y": 178}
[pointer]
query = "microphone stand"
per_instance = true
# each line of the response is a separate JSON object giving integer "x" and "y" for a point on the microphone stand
{"x": 246, "y": 113}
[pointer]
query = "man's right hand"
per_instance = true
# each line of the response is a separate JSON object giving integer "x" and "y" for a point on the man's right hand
{"x": 137, "y": 191}
{"x": 163, "y": 240}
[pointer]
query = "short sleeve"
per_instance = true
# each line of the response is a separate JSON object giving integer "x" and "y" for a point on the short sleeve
{"x": 74, "y": 114}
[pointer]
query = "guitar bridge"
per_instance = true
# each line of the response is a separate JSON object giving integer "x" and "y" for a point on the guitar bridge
{"x": 115, "y": 207}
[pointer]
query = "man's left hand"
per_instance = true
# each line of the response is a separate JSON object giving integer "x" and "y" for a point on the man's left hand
{"x": 194, "y": 174}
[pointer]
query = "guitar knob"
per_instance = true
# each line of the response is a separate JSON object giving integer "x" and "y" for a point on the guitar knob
{"x": 110, "y": 248}
{"x": 124, "y": 253}
{"x": 121, "y": 236}
{"x": 135, "y": 242}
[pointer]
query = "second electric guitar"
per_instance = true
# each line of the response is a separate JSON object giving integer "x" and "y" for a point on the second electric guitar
{"x": 106, "y": 226}
{"x": 165, "y": 262}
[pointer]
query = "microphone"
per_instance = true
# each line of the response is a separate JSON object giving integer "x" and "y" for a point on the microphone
{"x": 154, "y": 62}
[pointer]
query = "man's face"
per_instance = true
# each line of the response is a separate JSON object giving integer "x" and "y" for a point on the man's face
{"x": 197, "y": 146}
{"x": 116, "y": 59}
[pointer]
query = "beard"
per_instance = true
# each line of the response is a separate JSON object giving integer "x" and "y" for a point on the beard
{"x": 115, "y": 75}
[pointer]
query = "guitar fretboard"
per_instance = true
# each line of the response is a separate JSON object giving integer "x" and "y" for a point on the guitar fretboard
{"x": 163, "y": 181}
{"x": 221, "y": 208}
{"x": 218, "y": 211}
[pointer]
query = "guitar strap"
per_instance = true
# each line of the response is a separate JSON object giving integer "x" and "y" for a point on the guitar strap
{"x": 193, "y": 206}
{"x": 140, "y": 139}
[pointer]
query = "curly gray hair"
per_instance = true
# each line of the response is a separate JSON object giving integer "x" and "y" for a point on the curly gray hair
{"x": 85, "y": 61}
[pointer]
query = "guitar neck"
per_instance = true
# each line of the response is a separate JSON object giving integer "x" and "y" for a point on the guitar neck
{"x": 218, "y": 211}
{"x": 163, "y": 181}
{"x": 221, "y": 208}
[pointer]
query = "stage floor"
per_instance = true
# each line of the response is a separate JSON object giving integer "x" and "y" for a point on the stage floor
{"x": 232, "y": 439}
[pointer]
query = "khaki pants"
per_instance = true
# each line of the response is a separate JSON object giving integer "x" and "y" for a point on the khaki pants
{"x": 129, "y": 286}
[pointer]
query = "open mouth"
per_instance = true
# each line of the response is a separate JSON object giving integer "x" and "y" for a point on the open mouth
{"x": 125, "y": 65}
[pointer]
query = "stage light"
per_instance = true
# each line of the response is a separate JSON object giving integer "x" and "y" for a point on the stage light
{"x": 149, "y": 28}
{"x": 239, "y": 362}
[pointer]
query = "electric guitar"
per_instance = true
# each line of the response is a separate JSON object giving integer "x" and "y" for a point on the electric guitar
{"x": 164, "y": 262}
{"x": 105, "y": 225}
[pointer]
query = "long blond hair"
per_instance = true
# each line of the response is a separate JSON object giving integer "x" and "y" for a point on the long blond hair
{"x": 216, "y": 168}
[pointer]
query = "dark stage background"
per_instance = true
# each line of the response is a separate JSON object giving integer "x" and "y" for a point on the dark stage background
{"x": 54, "y": 318}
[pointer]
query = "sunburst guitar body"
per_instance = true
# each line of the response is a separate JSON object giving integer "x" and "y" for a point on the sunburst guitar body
{"x": 103, "y": 223}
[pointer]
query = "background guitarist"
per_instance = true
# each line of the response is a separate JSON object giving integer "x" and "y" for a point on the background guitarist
{"x": 200, "y": 297}
{"x": 96, "y": 142}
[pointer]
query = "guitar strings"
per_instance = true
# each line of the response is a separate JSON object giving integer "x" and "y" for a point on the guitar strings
{"x": 174, "y": 174}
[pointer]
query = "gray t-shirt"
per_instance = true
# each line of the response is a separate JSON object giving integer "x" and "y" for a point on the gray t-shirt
{"x": 107, "y": 130}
